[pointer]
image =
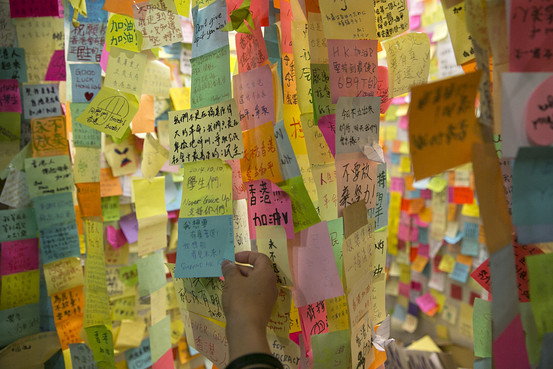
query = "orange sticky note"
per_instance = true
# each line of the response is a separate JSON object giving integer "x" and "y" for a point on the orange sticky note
{"x": 68, "y": 308}
{"x": 119, "y": 7}
{"x": 90, "y": 201}
{"x": 260, "y": 159}
{"x": 442, "y": 120}
{"x": 143, "y": 121}
{"x": 463, "y": 195}
{"x": 49, "y": 137}
{"x": 109, "y": 185}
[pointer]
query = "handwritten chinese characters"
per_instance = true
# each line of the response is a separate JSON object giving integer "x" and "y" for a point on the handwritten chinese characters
{"x": 41, "y": 101}
{"x": 86, "y": 42}
{"x": 357, "y": 123}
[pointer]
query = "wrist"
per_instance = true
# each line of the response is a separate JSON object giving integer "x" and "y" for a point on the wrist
{"x": 246, "y": 338}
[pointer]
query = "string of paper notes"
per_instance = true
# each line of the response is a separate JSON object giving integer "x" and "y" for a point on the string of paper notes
{"x": 392, "y": 158}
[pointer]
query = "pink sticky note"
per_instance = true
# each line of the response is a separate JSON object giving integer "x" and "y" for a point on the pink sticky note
{"x": 56, "y": 69}
{"x": 165, "y": 362}
{"x": 31, "y": 8}
{"x": 10, "y": 99}
{"x": 129, "y": 226}
{"x": 382, "y": 90}
{"x": 426, "y": 302}
{"x": 327, "y": 125}
{"x": 266, "y": 206}
{"x": 404, "y": 289}
{"x": 538, "y": 114}
{"x": 314, "y": 270}
{"x": 115, "y": 237}
{"x": 255, "y": 101}
{"x": 403, "y": 232}
{"x": 353, "y": 68}
{"x": 170, "y": 168}
{"x": 509, "y": 349}
{"x": 403, "y": 122}
{"x": 396, "y": 184}
{"x": 414, "y": 22}
{"x": 414, "y": 237}
{"x": 238, "y": 188}
{"x": 417, "y": 286}
{"x": 313, "y": 320}
{"x": 424, "y": 250}
{"x": 530, "y": 39}
{"x": 251, "y": 51}
{"x": 19, "y": 256}
{"x": 104, "y": 58}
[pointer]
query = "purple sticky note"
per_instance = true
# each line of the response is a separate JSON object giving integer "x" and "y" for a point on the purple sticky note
{"x": 314, "y": 270}
{"x": 56, "y": 69}
{"x": 116, "y": 237}
{"x": 129, "y": 226}
{"x": 327, "y": 125}
{"x": 19, "y": 256}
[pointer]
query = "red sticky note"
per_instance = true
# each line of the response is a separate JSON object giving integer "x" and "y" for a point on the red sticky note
{"x": 165, "y": 362}
{"x": 463, "y": 195}
{"x": 509, "y": 349}
{"x": 32, "y": 8}
{"x": 56, "y": 69}
{"x": 456, "y": 292}
{"x": 473, "y": 295}
{"x": 10, "y": 99}
{"x": 19, "y": 256}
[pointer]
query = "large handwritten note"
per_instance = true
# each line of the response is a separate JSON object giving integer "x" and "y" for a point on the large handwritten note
{"x": 460, "y": 36}
{"x": 346, "y": 20}
{"x": 158, "y": 23}
{"x": 12, "y": 64}
{"x": 208, "y": 23}
{"x": 268, "y": 205}
{"x": 253, "y": 93}
{"x": 86, "y": 41}
{"x": 20, "y": 289}
{"x": 357, "y": 180}
{"x": 121, "y": 32}
{"x": 211, "y": 78}
{"x": 207, "y": 187}
{"x": 408, "y": 62}
{"x": 442, "y": 118}
{"x": 86, "y": 81}
{"x": 125, "y": 71}
{"x": 211, "y": 132}
{"x": 49, "y": 175}
{"x": 17, "y": 224}
{"x": 392, "y": 18}
{"x": 111, "y": 112}
{"x": 19, "y": 256}
{"x": 19, "y": 322}
{"x": 539, "y": 127}
{"x": 261, "y": 159}
{"x": 48, "y": 137}
{"x": 357, "y": 123}
{"x": 272, "y": 241}
{"x": 353, "y": 68}
{"x": 41, "y": 101}
{"x": 202, "y": 246}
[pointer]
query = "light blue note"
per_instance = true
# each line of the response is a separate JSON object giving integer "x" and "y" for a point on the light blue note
{"x": 19, "y": 322}
{"x": 86, "y": 81}
{"x": 460, "y": 272}
{"x": 140, "y": 357}
{"x": 208, "y": 23}
{"x": 17, "y": 224}
{"x": 288, "y": 164}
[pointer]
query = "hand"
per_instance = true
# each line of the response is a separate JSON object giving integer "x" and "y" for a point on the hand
{"x": 248, "y": 298}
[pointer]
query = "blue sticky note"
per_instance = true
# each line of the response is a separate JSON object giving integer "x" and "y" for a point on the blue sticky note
{"x": 151, "y": 275}
{"x": 55, "y": 361}
{"x": 470, "y": 245}
{"x": 460, "y": 272}
{"x": 546, "y": 358}
{"x": 394, "y": 158}
{"x": 208, "y": 23}
{"x": 13, "y": 64}
{"x": 534, "y": 233}
{"x": 19, "y": 322}
{"x": 59, "y": 241}
{"x": 140, "y": 357}
{"x": 46, "y": 311}
{"x": 94, "y": 12}
{"x": 203, "y": 243}
{"x": 414, "y": 309}
{"x": 17, "y": 224}
{"x": 210, "y": 81}
{"x": 400, "y": 313}
{"x": 81, "y": 354}
{"x": 173, "y": 194}
{"x": 485, "y": 363}
{"x": 86, "y": 42}
{"x": 423, "y": 235}
{"x": 55, "y": 209}
{"x": 533, "y": 187}
{"x": 86, "y": 81}
{"x": 454, "y": 240}
{"x": 286, "y": 158}
{"x": 172, "y": 50}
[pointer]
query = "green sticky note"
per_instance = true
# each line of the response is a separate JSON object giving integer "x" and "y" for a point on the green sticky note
{"x": 17, "y": 224}
{"x": 83, "y": 136}
{"x": 151, "y": 273}
{"x": 482, "y": 327}
{"x": 110, "y": 208}
{"x": 540, "y": 276}
{"x": 533, "y": 339}
{"x": 333, "y": 347}
{"x": 336, "y": 232}
{"x": 437, "y": 184}
{"x": 101, "y": 342}
{"x": 160, "y": 338}
{"x": 210, "y": 78}
{"x": 320, "y": 91}
{"x": 129, "y": 275}
{"x": 303, "y": 211}
{"x": 49, "y": 175}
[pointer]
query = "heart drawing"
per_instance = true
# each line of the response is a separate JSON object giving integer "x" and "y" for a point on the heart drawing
{"x": 88, "y": 96}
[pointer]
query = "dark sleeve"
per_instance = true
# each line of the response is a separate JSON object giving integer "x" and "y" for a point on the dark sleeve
{"x": 255, "y": 361}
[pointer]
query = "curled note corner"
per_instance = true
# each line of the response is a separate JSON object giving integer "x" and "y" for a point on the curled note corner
{"x": 381, "y": 338}
{"x": 374, "y": 152}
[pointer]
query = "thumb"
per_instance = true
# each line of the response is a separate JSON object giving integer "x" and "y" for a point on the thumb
{"x": 229, "y": 269}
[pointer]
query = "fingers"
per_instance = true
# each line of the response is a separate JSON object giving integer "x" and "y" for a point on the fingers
{"x": 253, "y": 258}
{"x": 230, "y": 270}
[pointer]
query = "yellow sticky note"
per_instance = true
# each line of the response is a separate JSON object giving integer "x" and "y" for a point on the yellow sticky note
{"x": 149, "y": 197}
{"x": 177, "y": 330}
{"x": 111, "y": 112}
{"x": 405, "y": 164}
{"x": 154, "y": 156}
{"x": 354, "y": 20}
{"x": 294, "y": 319}
{"x": 337, "y": 313}
{"x": 158, "y": 305}
{"x": 425, "y": 343}
{"x": 440, "y": 299}
{"x": 408, "y": 62}
{"x": 152, "y": 233}
{"x": 442, "y": 119}
{"x": 123, "y": 308}
{"x": 130, "y": 334}
{"x": 157, "y": 80}
{"x": 86, "y": 165}
{"x": 419, "y": 263}
{"x": 437, "y": 184}
{"x": 300, "y": 45}
{"x": 293, "y": 126}
{"x": 121, "y": 32}
{"x": 272, "y": 241}
{"x": 317, "y": 148}
{"x": 63, "y": 274}
{"x": 461, "y": 39}
{"x": 20, "y": 289}
{"x": 325, "y": 182}
{"x": 180, "y": 98}
{"x": 447, "y": 263}
{"x": 207, "y": 189}
{"x": 125, "y": 71}
{"x": 279, "y": 323}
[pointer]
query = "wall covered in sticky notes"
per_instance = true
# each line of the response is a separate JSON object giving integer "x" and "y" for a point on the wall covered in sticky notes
{"x": 393, "y": 159}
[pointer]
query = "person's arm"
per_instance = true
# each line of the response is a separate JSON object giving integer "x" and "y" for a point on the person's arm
{"x": 248, "y": 298}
